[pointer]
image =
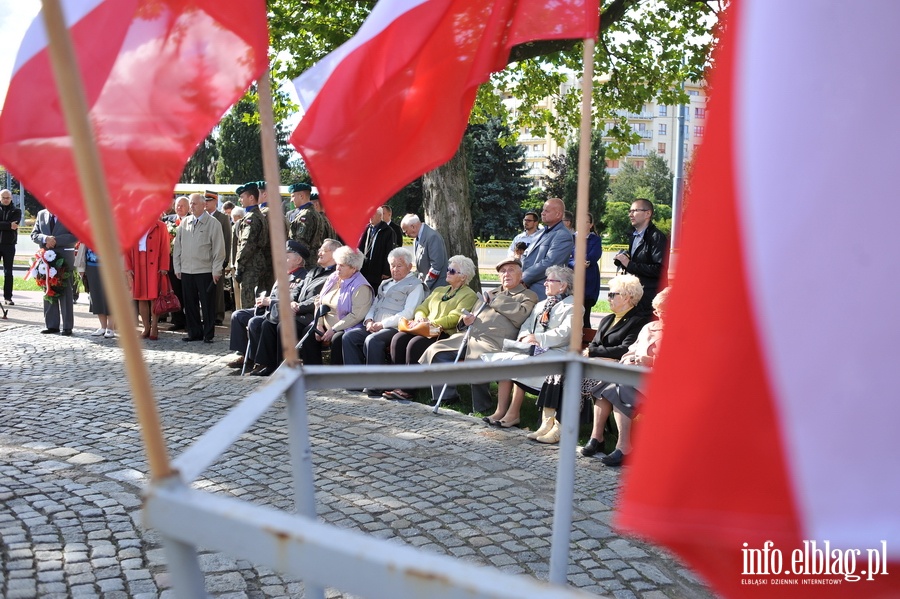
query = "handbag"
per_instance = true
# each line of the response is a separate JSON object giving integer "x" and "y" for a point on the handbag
{"x": 517, "y": 347}
{"x": 422, "y": 329}
{"x": 167, "y": 300}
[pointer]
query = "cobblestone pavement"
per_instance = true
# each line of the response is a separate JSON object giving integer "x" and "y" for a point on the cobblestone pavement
{"x": 72, "y": 466}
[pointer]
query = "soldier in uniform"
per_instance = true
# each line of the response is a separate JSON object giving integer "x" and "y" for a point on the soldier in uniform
{"x": 307, "y": 226}
{"x": 253, "y": 259}
{"x": 330, "y": 233}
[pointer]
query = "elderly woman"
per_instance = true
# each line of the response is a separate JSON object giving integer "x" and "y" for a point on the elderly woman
{"x": 617, "y": 331}
{"x": 548, "y": 328}
{"x": 442, "y": 308}
{"x": 345, "y": 298}
{"x": 397, "y": 298}
{"x": 622, "y": 400}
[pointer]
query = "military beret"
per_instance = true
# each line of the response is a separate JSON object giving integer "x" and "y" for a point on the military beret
{"x": 261, "y": 185}
{"x": 299, "y": 187}
{"x": 239, "y": 190}
{"x": 249, "y": 186}
{"x": 297, "y": 248}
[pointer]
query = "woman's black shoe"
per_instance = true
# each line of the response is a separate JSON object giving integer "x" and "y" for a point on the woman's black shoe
{"x": 593, "y": 447}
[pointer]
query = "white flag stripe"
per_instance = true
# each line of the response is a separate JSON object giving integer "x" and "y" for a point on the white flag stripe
{"x": 35, "y": 38}
{"x": 385, "y": 12}
{"x": 816, "y": 159}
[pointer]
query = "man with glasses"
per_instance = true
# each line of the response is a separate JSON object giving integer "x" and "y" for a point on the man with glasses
{"x": 648, "y": 253}
{"x": 9, "y": 235}
{"x": 530, "y": 222}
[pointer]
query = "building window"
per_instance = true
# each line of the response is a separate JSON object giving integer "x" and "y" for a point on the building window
{"x": 638, "y": 164}
{"x": 693, "y": 92}
{"x": 700, "y": 112}
{"x": 663, "y": 111}
{"x": 663, "y": 128}
{"x": 698, "y": 131}
{"x": 660, "y": 148}
{"x": 612, "y": 164}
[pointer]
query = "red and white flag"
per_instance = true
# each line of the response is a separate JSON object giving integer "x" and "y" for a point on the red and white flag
{"x": 158, "y": 75}
{"x": 393, "y": 102}
{"x": 769, "y": 439}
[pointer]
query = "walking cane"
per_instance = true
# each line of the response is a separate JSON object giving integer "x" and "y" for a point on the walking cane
{"x": 485, "y": 300}
{"x": 4, "y": 313}
{"x": 247, "y": 351}
{"x": 320, "y": 312}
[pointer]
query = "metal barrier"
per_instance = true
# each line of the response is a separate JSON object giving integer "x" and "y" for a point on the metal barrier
{"x": 326, "y": 556}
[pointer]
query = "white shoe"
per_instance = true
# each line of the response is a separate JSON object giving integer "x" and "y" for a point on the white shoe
{"x": 98, "y": 332}
{"x": 110, "y": 334}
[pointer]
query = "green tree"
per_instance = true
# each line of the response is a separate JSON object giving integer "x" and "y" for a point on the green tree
{"x": 632, "y": 182}
{"x": 499, "y": 184}
{"x": 240, "y": 154}
{"x": 618, "y": 226}
{"x": 201, "y": 167}
{"x": 535, "y": 200}
{"x": 408, "y": 200}
{"x": 295, "y": 172}
{"x": 564, "y": 183}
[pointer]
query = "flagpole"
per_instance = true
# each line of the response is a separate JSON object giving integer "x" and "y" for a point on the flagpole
{"x": 277, "y": 235}
{"x": 99, "y": 209}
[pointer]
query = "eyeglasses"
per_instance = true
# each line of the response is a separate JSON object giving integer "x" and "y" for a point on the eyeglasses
{"x": 552, "y": 281}
{"x": 452, "y": 271}
{"x": 633, "y": 210}
{"x": 613, "y": 294}
{"x": 529, "y": 220}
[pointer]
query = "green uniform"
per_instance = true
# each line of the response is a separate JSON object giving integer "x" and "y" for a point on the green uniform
{"x": 309, "y": 227}
{"x": 253, "y": 258}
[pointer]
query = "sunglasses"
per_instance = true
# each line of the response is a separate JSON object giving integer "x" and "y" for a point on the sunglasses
{"x": 613, "y": 294}
{"x": 452, "y": 271}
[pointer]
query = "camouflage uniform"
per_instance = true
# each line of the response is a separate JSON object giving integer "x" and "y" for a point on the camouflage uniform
{"x": 310, "y": 228}
{"x": 253, "y": 258}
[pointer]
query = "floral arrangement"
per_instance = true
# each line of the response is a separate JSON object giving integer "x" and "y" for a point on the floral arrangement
{"x": 50, "y": 273}
{"x": 172, "y": 229}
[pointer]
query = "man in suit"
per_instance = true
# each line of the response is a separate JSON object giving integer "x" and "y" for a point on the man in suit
{"x": 9, "y": 235}
{"x": 376, "y": 243}
{"x": 648, "y": 255}
{"x": 552, "y": 247}
{"x": 507, "y": 309}
{"x": 386, "y": 215}
{"x": 198, "y": 259}
{"x": 182, "y": 210}
{"x": 51, "y": 234}
{"x": 212, "y": 208}
{"x": 429, "y": 250}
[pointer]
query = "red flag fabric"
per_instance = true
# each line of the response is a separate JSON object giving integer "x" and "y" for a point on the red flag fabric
{"x": 158, "y": 76}
{"x": 393, "y": 102}
{"x": 765, "y": 453}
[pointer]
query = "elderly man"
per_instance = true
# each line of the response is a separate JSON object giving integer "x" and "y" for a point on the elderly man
{"x": 507, "y": 309}
{"x": 552, "y": 247}
{"x": 9, "y": 235}
{"x": 429, "y": 249}
{"x": 247, "y": 324}
{"x": 397, "y": 298}
{"x": 253, "y": 258}
{"x": 212, "y": 208}
{"x": 182, "y": 210}
{"x": 51, "y": 234}
{"x": 198, "y": 257}
{"x": 269, "y": 351}
{"x": 376, "y": 243}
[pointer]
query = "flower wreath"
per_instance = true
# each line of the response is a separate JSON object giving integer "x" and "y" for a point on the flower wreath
{"x": 51, "y": 273}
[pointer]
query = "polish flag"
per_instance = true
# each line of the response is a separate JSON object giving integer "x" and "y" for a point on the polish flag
{"x": 393, "y": 102}
{"x": 158, "y": 75}
{"x": 773, "y": 415}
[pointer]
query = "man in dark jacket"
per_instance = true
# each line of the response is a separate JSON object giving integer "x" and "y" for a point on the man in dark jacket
{"x": 648, "y": 254}
{"x": 376, "y": 243}
{"x": 9, "y": 235}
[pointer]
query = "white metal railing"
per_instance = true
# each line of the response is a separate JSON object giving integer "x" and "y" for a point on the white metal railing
{"x": 326, "y": 556}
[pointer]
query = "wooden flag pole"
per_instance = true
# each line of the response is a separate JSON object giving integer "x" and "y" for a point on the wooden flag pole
{"x": 100, "y": 212}
{"x": 277, "y": 235}
{"x": 581, "y": 210}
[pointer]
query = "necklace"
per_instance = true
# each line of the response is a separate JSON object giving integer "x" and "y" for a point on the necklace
{"x": 450, "y": 294}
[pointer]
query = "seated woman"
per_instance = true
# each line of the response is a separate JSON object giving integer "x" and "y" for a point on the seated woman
{"x": 397, "y": 298}
{"x": 616, "y": 332}
{"x": 547, "y": 329}
{"x": 443, "y": 307}
{"x": 347, "y": 296}
{"x": 622, "y": 400}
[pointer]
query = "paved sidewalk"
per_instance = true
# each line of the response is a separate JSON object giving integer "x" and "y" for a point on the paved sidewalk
{"x": 72, "y": 466}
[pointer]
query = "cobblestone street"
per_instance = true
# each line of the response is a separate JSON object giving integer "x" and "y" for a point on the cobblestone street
{"x": 72, "y": 466}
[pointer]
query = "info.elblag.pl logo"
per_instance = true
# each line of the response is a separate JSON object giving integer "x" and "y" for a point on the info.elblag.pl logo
{"x": 815, "y": 563}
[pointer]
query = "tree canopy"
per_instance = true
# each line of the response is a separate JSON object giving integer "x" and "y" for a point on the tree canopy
{"x": 652, "y": 182}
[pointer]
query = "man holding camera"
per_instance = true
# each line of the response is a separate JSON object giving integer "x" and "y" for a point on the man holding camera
{"x": 648, "y": 253}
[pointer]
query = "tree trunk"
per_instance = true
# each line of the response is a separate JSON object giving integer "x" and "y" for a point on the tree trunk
{"x": 448, "y": 209}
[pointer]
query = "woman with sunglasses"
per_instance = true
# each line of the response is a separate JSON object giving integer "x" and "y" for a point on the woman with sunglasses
{"x": 443, "y": 307}
{"x": 547, "y": 329}
{"x": 617, "y": 331}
